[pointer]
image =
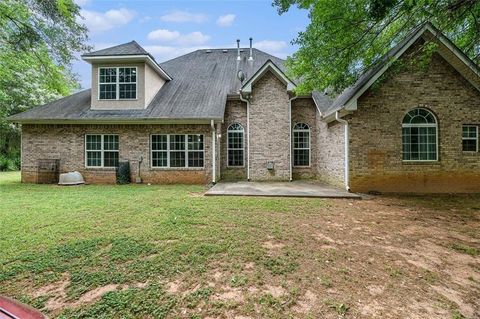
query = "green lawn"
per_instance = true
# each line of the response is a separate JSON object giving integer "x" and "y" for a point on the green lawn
{"x": 99, "y": 235}
{"x": 139, "y": 251}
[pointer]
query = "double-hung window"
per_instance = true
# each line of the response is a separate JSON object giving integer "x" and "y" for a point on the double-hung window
{"x": 177, "y": 150}
{"x": 117, "y": 83}
{"x": 470, "y": 138}
{"x": 301, "y": 145}
{"x": 101, "y": 150}
{"x": 235, "y": 145}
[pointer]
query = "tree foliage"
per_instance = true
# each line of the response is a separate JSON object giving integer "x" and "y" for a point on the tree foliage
{"x": 38, "y": 40}
{"x": 344, "y": 38}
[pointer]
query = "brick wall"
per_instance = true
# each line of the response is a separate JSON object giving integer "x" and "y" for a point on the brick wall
{"x": 66, "y": 142}
{"x": 331, "y": 153}
{"x": 376, "y": 133}
{"x": 305, "y": 111}
{"x": 269, "y": 129}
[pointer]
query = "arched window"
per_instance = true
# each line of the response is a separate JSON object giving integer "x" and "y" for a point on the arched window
{"x": 235, "y": 145}
{"x": 301, "y": 145}
{"x": 419, "y": 136}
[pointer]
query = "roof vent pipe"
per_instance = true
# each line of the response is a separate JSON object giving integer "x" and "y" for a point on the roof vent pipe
{"x": 250, "y": 58}
{"x": 238, "y": 50}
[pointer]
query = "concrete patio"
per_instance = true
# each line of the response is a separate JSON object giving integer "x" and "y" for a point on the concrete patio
{"x": 279, "y": 189}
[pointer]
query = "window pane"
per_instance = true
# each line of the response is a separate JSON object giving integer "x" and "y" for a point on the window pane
{"x": 195, "y": 159}
{"x": 419, "y": 143}
{"x": 301, "y": 157}
{"x": 128, "y": 91}
{"x": 469, "y": 145}
{"x": 94, "y": 158}
{"x": 94, "y": 142}
{"x": 110, "y": 159}
{"x": 177, "y": 159}
{"x": 235, "y": 157}
{"x": 235, "y": 140}
{"x": 108, "y": 91}
{"x": 110, "y": 142}
{"x": 301, "y": 140}
{"x": 159, "y": 142}
{"x": 177, "y": 142}
{"x": 127, "y": 75}
{"x": 108, "y": 75}
{"x": 195, "y": 142}
{"x": 159, "y": 159}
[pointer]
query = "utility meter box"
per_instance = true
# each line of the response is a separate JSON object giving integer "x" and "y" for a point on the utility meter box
{"x": 270, "y": 165}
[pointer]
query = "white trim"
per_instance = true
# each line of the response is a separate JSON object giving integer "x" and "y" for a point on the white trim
{"x": 214, "y": 167}
{"x": 268, "y": 66}
{"x": 346, "y": 139}
{"x": 117, "y": 83}
{"x": 186, "y": 151}
{"x": 236, "y": 149}
{"x": 101, "y": 150}
{"x": 130, "y": 58}
{"x": 309, "y": 131}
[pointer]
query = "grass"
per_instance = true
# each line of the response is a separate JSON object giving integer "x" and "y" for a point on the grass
{"x": 102, "y": 235}
{"x": 139, "y": 251}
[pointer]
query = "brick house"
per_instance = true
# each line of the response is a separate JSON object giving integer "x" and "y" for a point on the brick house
{"x": 232, "y": 114}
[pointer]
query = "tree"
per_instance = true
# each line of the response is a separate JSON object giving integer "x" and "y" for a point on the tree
{"x": 38, "y": 40}
{"x": 344, "y": 38}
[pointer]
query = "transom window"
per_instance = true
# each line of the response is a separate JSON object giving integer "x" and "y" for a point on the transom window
{"x": 117, "y": 83}
{"x": 419, "y": 136}
{"x": 185, "y": 150}
{"x": 101, "y": 150}
{"x": 301, "y": 145}
{"x": 235, "y": 145}
{"x": 470, "y": 138}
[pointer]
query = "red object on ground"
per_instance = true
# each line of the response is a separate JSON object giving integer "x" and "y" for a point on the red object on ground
{"x": 11, "y": 309}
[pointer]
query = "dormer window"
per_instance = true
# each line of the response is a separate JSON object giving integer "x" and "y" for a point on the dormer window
{"x": 117, "y": 83}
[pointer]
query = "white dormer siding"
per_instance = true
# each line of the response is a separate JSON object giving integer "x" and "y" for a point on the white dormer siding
{"x": 148, "y": 83}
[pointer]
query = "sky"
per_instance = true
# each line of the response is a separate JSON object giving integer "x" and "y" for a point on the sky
{"x": 168, "y": 29}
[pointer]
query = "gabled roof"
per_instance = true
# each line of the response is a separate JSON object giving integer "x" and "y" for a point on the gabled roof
{"x": 201, "y": 82}
{"x": 348, "y": 98}
{"x": 130, "y": 52}
{"x": 272, "y": 67}
{"x": 129, "y": 48}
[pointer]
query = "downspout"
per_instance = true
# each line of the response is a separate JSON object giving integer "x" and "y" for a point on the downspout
{"x": 214, "y": 155}
{"x": 347, "y": 153}
{"x": 290, "y": 129}
{"x": 248, "y": 134}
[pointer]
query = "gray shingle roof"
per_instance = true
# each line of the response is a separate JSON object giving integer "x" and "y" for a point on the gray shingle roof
{"x": 201, "y": 82}
{"x": 130, "y": 48}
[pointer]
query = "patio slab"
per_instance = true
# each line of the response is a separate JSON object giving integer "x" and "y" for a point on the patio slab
{"x": 279, "y": 189}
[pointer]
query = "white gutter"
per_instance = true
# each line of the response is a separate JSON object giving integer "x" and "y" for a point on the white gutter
{"x": 347, "y": 153}
{"x": 248, "y": 134}
{"x": 214, "y": 137}
{"x": 290, "y": 129}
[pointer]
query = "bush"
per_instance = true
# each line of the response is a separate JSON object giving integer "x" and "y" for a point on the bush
{"x": 9, "y": 162}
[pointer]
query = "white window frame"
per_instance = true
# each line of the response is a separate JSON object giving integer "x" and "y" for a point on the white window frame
{"x": 302, "y": 148}
{"x": 435, "y": 125}
{"x": 236, "y": 149}
{"x": 101, "y": 150}
{"x": 117, "y": 83}
{"x": 471, "y": 138}
{"x": 168, "y": 152}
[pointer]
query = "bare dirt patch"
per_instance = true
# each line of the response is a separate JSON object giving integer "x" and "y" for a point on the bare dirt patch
{"x": 59, "y": 299}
